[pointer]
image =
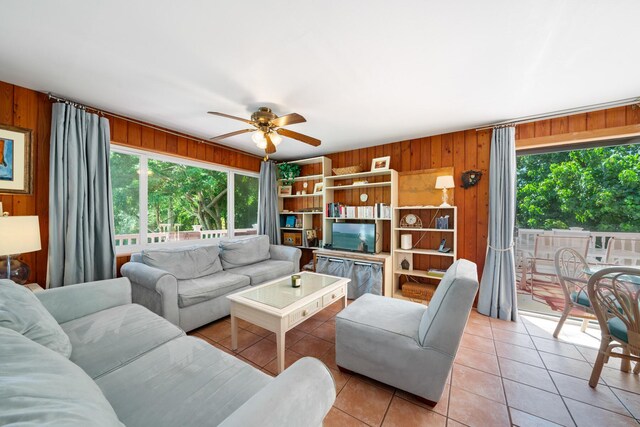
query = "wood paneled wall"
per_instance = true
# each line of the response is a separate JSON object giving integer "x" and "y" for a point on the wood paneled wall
{"x": 602, "y": 124}
{"x": 133, "y": 135}
{"x": 461, "y": 150}
{"x": 32, "y": 110}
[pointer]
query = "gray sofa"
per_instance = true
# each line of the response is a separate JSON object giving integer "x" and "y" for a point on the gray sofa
{"x": 404, "y": 344}
{"x": 85, "y": 355}
{"x": 188, "y": 285}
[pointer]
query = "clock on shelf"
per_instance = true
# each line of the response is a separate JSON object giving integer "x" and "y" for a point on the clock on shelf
{"x": 410, "y": 221}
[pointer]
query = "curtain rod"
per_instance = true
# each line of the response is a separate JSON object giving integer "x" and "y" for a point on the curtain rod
{"x": 562, "y": 113}
{"x": 170, "y": 132}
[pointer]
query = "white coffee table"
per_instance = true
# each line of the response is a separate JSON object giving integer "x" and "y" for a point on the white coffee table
{"x": 279, "y": 307}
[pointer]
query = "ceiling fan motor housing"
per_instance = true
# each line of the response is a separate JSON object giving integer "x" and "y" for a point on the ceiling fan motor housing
{"x": 263, "y": 116}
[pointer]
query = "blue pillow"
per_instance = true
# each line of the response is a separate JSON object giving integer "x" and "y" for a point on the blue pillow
{"x": 22, "y": 311}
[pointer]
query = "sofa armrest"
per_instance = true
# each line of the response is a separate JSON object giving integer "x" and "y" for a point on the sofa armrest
{"x": 74, "y": 301}
{"x": 153, "y": 288}
{"x": 286, "y": 253}
{"x": 302, "y": 395}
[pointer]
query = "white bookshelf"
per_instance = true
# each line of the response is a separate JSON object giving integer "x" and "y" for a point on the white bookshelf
{"x": 306, "y": 217}
{"x": 425, "y": 233}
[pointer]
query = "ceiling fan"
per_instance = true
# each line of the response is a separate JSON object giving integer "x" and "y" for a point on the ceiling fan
{"x": 268, "y": 129}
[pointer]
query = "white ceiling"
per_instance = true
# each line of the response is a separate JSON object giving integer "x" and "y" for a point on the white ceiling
{"x": 362, "y": 72}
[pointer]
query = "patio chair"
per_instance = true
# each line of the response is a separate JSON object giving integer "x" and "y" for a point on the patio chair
{"x": 615, "y": 293}
{"x": 543, "y": 262}
{"x": 623, "y": 252}
{"x": 571, "y": 270}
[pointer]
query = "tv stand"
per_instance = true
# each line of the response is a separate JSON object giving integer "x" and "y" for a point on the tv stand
{"x": 383, "y": 258}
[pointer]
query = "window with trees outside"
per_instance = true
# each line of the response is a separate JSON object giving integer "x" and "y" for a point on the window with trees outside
{"x": 159, "y": 200}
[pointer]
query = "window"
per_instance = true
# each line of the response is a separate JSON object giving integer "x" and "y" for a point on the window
{"x": 246, "y": 204}
{"x": 161, "y": 200}
{"x": 125, "y": 184}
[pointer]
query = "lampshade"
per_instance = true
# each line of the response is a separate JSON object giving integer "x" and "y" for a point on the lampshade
{"x": 444, "y": 181}
{"x": 258, "y": 137}
{"x": 20, "y": 234}
{"x": 275, "y": 137}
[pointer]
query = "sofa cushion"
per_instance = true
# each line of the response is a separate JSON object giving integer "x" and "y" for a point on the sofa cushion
{"x": 264, "y": 271}
{"x": 443, "y": 322}
{"x": 21, "y": 311}
{"x": 184, "y": 263}
{"x": 391, "y": 315}
{"x": 38, "y": 387}
{"x": 106, "y": 340}
{"x": 249, "y": 250}
{"x": 174, "y": 382}
{"x": 193, "y": 291}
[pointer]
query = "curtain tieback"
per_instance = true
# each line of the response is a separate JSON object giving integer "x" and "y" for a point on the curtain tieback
{"x": 502, "y": 250}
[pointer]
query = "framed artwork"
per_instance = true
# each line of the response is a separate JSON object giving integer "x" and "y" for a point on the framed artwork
{"x": 380, "y": 164}
{"x": 284, "y": 190}
{"x": 317, "y": 189}
{"x": 16, "y": 169}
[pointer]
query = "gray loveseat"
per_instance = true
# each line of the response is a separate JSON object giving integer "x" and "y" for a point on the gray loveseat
{"x": 84, "y": 355}
{"x": 188, "y": 285}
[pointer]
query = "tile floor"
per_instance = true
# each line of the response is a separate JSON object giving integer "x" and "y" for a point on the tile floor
{"x": 505, "y": 374}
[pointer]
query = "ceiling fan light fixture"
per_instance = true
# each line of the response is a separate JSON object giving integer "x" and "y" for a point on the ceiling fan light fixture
{"x": 275, "y": 137}
{"x": 258, "y": 138}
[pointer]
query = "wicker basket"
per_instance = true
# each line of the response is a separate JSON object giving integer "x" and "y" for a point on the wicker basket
{"x": 421, "y": 291}
{"x": 347, "y": 170}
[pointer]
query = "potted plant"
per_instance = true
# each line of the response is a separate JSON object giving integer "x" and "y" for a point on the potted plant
{"x": 288, "y": 172}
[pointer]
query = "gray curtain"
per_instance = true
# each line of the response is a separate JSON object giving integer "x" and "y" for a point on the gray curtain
{"x": 365, "y": 278}
{"x": 268, "y": 216}
{"x": 81, "y": 232}
{"x": 498, "y": 285}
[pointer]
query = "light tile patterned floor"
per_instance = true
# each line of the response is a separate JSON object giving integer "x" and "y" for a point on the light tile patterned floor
{"x": 505, "y": 374}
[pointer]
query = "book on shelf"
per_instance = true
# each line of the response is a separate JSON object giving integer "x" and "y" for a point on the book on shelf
{"x": 378, "y": 211}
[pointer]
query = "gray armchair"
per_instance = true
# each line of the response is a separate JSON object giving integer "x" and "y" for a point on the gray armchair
{"x": 405, "y": 344}
{"x": 188, "y": 285}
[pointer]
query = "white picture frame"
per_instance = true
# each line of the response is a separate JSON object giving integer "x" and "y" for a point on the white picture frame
{"x": 285, "y": 190}
{"x": 318, "y": 187}
{"x": 380, "y": 163}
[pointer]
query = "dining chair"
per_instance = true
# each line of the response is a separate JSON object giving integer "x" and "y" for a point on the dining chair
{"x": 614, "y": 293}
{"x": 621, "y": 251}
{"x": 543, "y": 262}
{"x": 571, "y": 270}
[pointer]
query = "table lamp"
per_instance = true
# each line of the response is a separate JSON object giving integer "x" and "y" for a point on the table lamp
{"x": 443, "y": 182}
{"x": 18, "y": 235}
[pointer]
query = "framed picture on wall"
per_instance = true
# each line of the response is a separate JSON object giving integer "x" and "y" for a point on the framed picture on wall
{"x": 380, "y": 164}
{"x": 16, "y": 169}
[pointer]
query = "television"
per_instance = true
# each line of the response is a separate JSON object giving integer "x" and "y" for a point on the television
{"x": 354, "y": 236}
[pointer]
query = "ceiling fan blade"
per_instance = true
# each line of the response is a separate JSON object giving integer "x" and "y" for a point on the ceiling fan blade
{"x": 227, "y": 135}
{"x": 230, "y": 117}
{"x": 289, "y": 119}
{"x": 300, "y": 137}
{"x": 271, "y": 148}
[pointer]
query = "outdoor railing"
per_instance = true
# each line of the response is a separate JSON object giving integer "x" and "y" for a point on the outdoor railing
{"x": 161, "y": 237}
{"x": 525, "y": 241}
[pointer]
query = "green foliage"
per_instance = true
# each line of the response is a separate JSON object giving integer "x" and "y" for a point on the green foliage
{"x": 186, "y": 195}
{"x": 598, "y": 189}
{"x": 246, "y": 201}
{"x": 289, "y": 172}
{"x": 178, "y": 194}
{"x": 125, "y": 184}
